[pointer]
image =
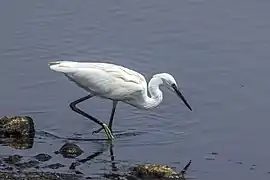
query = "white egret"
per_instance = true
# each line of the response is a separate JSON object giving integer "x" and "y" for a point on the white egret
{"x": 116, "y": 83}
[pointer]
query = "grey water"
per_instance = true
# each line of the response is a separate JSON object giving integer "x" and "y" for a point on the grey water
{"x": 218, "y": 51}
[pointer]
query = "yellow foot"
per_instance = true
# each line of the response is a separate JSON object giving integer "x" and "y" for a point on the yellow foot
{"x": 108, "y": 131}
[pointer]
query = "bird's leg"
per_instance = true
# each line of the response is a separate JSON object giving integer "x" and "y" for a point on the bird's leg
{"x": 76, "y": 109}
{"x": 111, "y": 118}
{"x": 112, "y": 114}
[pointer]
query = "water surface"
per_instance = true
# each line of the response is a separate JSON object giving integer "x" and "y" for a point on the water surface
{"x": 218, "y": 52}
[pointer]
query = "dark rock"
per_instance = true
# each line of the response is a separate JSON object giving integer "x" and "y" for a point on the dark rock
{"x": 16, "y": 126}
{"x": 29, "y": 164}
{"x": 70, "y": 150}
{"x": 43, "y": 157}
{"x": 19, "y": 142}
{"x": 149, "y": 172}
{"x": 155, "y": 171}
{"x": 55, "y": 166}
{"x": 38, "y": 176}
{"x": 73, "y": 165}
{"x": 13, "y": 159}
{"x": 78, "y": 172}
{"x": 8, "y": 168}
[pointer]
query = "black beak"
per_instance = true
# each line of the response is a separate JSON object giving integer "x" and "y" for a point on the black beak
{"x": 181, "y": 96}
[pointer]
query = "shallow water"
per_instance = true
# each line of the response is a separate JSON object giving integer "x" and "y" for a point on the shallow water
{"x": 217, "y": 51}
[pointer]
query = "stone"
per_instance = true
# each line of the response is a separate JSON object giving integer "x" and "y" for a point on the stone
{"x": 70, "y": 150}
{"x": 43, "y": 157}
{"x": 16, "y": 126}
{"x": 13, "y": 159}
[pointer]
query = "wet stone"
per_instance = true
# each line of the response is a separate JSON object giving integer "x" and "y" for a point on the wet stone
{"x": 78, "y": 172}
{"x": 29, "y": 164}
{"x": 70, "y": 150}
{"x": 18, "y": 142}
{"x": 8, "y": 169}
{"x": 55, "y": 166}
{"x": 16, "y": 126}
{"x": 43, "y": 157}
{"x": 38, "y": 176}
{"x": 73, "y": 165}
{"x": 155, "y": 171}
{"x": 13, "y": 159}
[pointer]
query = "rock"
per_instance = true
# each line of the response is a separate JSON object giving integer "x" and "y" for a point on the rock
{"x": 13, "y": 159}
{"x": 156, "y": 171}
{"x": 38, "y": 176}
{"x": 17, "y": 126}
{"x": 18, "y": 143}
{"x": 55, "y": 166}
{"x": 149, "y": 172}
{"x": 43, "y": 157}
{"x": 73, "y": 165}
{"x": 26, "y": 165}
{"x": 153, "y": 171}
{"x": 17, "y": 131}
{"x": 70, "y": 150}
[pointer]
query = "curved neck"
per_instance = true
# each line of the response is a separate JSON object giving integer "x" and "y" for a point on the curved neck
{"x": 155, "y": 93}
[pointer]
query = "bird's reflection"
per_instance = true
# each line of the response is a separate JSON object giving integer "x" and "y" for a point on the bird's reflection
{"x": 106, "y": 145}
{"x": 109, "y": 145}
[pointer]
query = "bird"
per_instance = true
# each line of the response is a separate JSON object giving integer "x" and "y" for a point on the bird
{"x": 116, "y": 83}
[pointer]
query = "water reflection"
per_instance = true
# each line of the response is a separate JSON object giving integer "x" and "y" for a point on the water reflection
{"x": 103, "y": 149}
{"x": 18, "y": 143}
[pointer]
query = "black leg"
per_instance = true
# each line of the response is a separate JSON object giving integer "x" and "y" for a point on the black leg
{"x": 111, "y": 118}
{"x": 112, "y": 114}
{"x": 74, "y": 108}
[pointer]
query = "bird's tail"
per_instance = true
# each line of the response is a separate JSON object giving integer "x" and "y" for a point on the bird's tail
{"x": 62, "y": 66}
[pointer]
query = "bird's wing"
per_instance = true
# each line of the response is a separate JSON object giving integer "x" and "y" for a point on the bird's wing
{"x": 121, "y": 72}
{"x": 108, "y": 80}
{"x": 115, "y": 70}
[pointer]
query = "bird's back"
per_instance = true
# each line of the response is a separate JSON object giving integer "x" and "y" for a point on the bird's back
{"x": 103, "y": 79}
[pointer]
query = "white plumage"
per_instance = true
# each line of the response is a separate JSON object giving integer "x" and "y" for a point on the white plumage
{"x": 117, "y": 83}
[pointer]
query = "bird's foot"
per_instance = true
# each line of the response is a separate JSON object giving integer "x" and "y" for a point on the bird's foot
{"x": 107, "y": 131}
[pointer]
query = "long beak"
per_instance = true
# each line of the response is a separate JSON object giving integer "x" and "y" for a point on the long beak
{"x": 181, "y": 96}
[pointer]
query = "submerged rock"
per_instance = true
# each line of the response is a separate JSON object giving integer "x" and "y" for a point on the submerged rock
{"x": 13, "y": 159}
{"x": 18, "y": 143}
{"x": 55, "y": 166}
{"x": 150, "y": 172}
{"x": 43, "y": 157}
{"x": 155, "y": 171}
{"x": 28, "y": 164}
{"x": 38, "y": 176}
{"x": 70, "y": 150}
{"x": 16, "y": 126}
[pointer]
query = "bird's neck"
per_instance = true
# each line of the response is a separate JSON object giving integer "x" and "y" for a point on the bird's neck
{"x": 156, "y": 95}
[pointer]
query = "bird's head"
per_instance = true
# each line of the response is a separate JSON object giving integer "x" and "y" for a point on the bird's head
{"x": 169, "y": 81}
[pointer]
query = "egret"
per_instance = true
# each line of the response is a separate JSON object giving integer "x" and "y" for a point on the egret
{"x": 116, "y": 83}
